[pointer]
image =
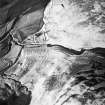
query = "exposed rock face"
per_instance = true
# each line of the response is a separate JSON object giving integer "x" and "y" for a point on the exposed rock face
{"x": 13, "y": 92}
{"x": 57, "y": 51}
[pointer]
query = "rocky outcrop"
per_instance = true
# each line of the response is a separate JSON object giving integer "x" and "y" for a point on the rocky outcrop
{"x": 13, "y": 92}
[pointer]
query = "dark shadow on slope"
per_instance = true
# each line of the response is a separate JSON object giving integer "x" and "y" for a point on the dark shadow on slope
{"x": 13, "y": 92}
